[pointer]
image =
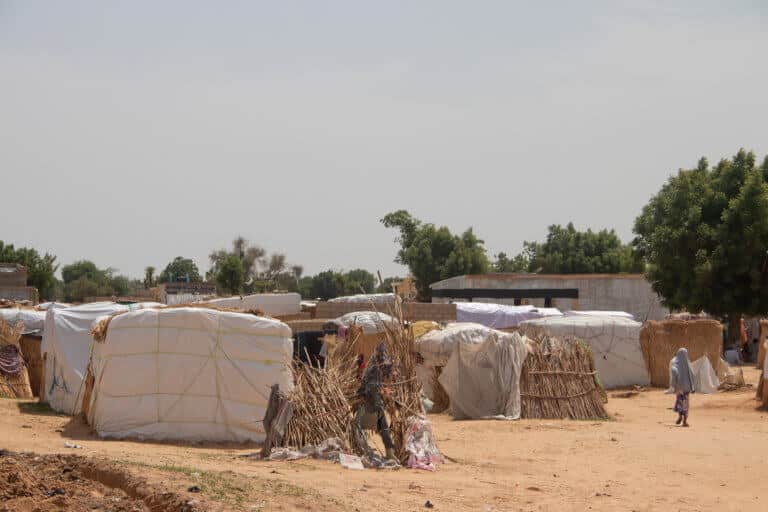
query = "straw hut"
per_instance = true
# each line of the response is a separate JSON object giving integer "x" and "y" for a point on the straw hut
{"x": 613, "y": 339}
{"x": 14, "y": 379}
{"x": 559, "y": 381}
{"x": 661, "y": 340}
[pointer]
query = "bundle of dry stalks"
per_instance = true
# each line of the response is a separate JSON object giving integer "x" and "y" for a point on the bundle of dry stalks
{"x": 441, "y": 401}
{"x": 14, "y": 385}
{"x": 559, "y": 380}
{"x": 325, "y": 399}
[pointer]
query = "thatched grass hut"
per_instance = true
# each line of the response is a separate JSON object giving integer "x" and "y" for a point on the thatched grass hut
{"x": 661, "y": 340}
{"x": 559, "y": 381}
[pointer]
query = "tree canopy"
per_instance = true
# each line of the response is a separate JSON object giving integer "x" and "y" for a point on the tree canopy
{"x": 433, "y": 253}
{"x": 84, "y": 279}
{"x": 40, "y": 269}
{"x": 704, "y": 236}
{"x": 230, "y": 274}
{"x": 180, "y": 269}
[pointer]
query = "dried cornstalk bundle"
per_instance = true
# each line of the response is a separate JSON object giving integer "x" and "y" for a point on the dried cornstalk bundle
{"x": 441, "y": 400}
{"x": 559, "y": 380}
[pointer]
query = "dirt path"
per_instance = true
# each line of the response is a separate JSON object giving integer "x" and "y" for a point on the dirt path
{"x": 638, "y": 461}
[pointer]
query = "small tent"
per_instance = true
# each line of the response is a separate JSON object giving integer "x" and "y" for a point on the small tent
{"x": 191, "y": 374}
{"x": 614, "y": 340}
{"x": 66, "y": 347}
{"x": 273, "y": 304}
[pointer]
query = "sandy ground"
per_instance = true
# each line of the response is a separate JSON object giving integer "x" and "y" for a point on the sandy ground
{"x": 637, "y": 461}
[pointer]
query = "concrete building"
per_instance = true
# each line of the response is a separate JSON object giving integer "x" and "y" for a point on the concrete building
{"x": 608, "y": 292}
{"x": 13, "y": 283}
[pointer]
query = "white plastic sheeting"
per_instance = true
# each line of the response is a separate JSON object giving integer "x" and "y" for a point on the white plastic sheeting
{"x": 367, "y": 298}
{"x": 705, "y": 379}
{"x": 189, "y": 374}
{"x": 615, "y": 344}
{"x": 437, "y": 346}
{"x": 372, "y": 322}
{"x": 67, "y": 342}
{"x": 499, "y": 316}
{"x": 33, "y": 320}
{"x": 482, "y": 380}
{"x": 270, "y": 303}
{"x": 621, "y": 314}
{"x": 45, "y": 306}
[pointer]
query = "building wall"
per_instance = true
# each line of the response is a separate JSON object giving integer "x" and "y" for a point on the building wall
{"x": 19, "y": 293}
{"x": 611, "y": 292}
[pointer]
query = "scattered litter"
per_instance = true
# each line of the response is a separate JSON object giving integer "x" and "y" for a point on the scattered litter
{"x": 429, "y": 504}
{"x": 53, "y": 492}
{"x": 26, "y": 426}
{"x": 194, "y": 488}
{"x": 350, "y": 461}
{"x": 420, "y": 444}
{"x": 67, "y": 444}
{"x": 533, "y": 488}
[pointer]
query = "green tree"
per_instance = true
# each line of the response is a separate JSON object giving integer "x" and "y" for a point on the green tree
{"x": 433, "y": 253}
{"x": 359, "y": 281}
{"x": 40, "y": 269}
{"x": 149, "y": 277}
{"x": 327, "y": 285}
{"x": 180, "y": 269}
{"x": 250, "y": 256}
{"x": 305, "y": 287}
{"x": 84, "y": 279}
{"x": 519, "y": 263}
{"x": 704, "y": 236}
{"x": 569, "y": 251}
{"x": 229, "y": 276}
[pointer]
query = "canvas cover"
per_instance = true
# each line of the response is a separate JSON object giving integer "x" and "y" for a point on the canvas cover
{"x": 274, "y": 304}
{"x": 367, "y": 298}
{"x": 621, "y": 314}
{"x": 483, "y": 379}
{"x": 33, "y": 320}
{"x": 615, "y": 344}
{"x": 500, "y": 316}
{"x": 436, "y": 347}
{"x": 191, "y": 374}
{"x": 67, "y": 342}
{"x": 705, "y": 379}
{"x": 372, "y": 322}
{"x": 45, "y": 306}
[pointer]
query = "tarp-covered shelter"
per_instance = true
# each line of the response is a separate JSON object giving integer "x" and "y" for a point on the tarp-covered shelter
{"x": 191, "y": 374}
{"x": 32, "y": 320}
{"x": 66, "y": 347}
{"x": 367, "y": 298}
{"x": 614, "y": 340}
{"x": 500, "y": 316}
{"x": 273, "y": 304}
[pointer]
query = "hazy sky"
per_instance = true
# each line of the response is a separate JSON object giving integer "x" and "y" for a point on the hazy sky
{"x": 133, "y": 132}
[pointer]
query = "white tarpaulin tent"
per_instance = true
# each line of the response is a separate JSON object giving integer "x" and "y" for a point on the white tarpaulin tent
{"x": 66, "y": 343}
{"x": 482, "y": 380}
{"x": 274, "y": 304}
{"x": 500, "y": 316}
{"x": 615, "y": 344}
{"x": 622, "y": 314}
{"x": 190, "y": 374}
{"x": 367, "y": 298}
{"x": 33, "y": 320}
{"x": 372, "y": 322}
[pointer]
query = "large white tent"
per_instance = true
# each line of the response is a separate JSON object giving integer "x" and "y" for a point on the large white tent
{"x": 500, "y": 316}
{"x": 190, "y": 374}
{"x": 615, "y": 343}
{"x": 66, "y": 346}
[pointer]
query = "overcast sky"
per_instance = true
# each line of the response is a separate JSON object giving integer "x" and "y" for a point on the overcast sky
{"x": 133, "y": 132}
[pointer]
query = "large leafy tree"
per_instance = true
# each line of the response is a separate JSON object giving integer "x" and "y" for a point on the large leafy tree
{"x": 434, "y": 253}
{"x": 180, "y": 269}
{"x": 40, "y": 269}
{"x": 705, "y": 238}
{"x": 567, "y": 250}
{"x": 327, "y": 285}
{"x": 229, "y": 276}
{"x": 84, "y": 279}
{"x": 359, "y": 281}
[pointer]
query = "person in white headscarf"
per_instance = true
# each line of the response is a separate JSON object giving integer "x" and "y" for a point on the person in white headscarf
{"x": 682, "y": 382}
